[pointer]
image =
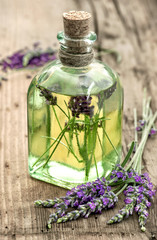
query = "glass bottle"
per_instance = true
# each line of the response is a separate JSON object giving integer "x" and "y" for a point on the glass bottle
{"x": 74, "y": 111}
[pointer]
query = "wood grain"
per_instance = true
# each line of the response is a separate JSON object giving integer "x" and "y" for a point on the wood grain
{"x": 127, "y": 26}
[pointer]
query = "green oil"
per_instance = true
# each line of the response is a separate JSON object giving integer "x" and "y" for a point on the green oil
{"x": 90, "y": 146}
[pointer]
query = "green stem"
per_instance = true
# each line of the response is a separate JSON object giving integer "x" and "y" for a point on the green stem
{"x": 143, "y": 141}
{"x": 71, "y": 150}
{"x": 67, "y": 109}
{"x": 54, "y": 148}
{"x": 96, "y": 167}
{"x": 85, "y": 151}
{"x": 78, "y": 143}
{"x": 103, "y": 133}
{"x": 57, "y": 141}
{"x": 135, "y": 126}
{"x": 71, "y": 132}
{"x": 128, "y": 154}
{"x": 49, "y": 147}
{"x": 100, "y": 141}
{"x": 122, "y": 189}
{"x": 111, "y": 143}
{"x": 118, "y": 188}
{"x": 62, "y": 110}
{"x": 48, "y": 127}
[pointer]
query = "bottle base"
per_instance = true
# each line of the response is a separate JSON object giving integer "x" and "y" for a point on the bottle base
{"x": 68, "y": 177}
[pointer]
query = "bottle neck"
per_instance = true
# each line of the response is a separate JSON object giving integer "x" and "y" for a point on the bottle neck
{"x": 76, "y": 52}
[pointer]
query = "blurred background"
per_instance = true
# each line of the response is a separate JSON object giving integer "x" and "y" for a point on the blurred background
{"x": 127, "y": 27}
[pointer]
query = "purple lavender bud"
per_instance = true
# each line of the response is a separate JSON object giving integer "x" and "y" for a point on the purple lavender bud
{"x": 130, "y": 174}
{"x": 140, "y": 189}
{"x": 139, "y": 200}
{"x": 141, "y": 196}
{"x": 81, "y": 105}
{"x": 88, "y": 213}
{"x": 119, "y": 174}
{"x": 94, "y": 190}
{"x": 151, "y": 193}
{"x": 145, "y": 212}
{"x": 130, "y": 189}
{"x": 105, "y": 201}
{"x": 101, "y": 192}
{"x": 146, "y": 175}
{"x": 80, "y": 194}
{"x": 98, "y": 187}
{"x": 88, "y": 184}
{"x": 76, "y": 203}
{"x": 92, "y": 205}
{"x": 142, "y": 122}
{"x": 138, "y": 178}
{"x": 124, "y": 178}
{"x": 152, "y": 132}
{"x": 128, "y": 200}
{"x": 108, "y": 188}
{"x": 150, "y": 185}
{"x": 138, "y": 129}
{"x": 50, "y": 99}
{"x": 103, "y": 179}
{"x": 148, "y": 204}
{"x": 137, "y": 207}
{"x": 67, "y": 202}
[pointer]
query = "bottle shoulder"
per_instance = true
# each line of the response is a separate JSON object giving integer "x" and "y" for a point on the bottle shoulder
{"x": 89, "y": 80}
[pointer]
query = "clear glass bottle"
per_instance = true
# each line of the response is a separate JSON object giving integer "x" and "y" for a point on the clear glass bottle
{"x": 74, "y": 112}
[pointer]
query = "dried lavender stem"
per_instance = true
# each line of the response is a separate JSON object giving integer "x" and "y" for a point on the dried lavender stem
{"x": 135, "y": 126}
{"x": 143, "y": 141}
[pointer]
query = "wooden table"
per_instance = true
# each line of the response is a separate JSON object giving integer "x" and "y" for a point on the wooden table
{"x": 127, "y": 26}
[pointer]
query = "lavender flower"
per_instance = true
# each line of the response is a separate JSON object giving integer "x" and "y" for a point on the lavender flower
{"x": 108, "y": 200}
{"x": 125, "y": 212}
{"x": 81, "y": 105}
{"x": 152, "y": 132}
{"x": 95, "y": 196}
{"x": 137, "y": 198}
{"x": 142, "y": 122}
{"x": 141, "y": 127}
{"x": 47, "y": 203}
{"x": 50, "y": 100}
{"x": 87, "y": 198}
{"x": 26, "y": 57}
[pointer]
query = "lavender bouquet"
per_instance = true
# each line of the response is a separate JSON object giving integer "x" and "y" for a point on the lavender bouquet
{"x": 102, "y": 193}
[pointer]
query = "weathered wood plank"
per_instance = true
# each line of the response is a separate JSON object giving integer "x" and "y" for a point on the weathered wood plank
{"x": 127, "y": 26}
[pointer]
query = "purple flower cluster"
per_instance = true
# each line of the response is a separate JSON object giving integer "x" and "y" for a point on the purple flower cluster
{"x": 50, "y": 99}
{"x": 121, "y": 174}
{"x": 105, "y": 201}
{"x": 26, "y": 57}
{"x": 86, "y": 198}
{"x": 138, "y": 197}
{"x": 141, "y": 126}
{"x": 95, "y": 196}
{"x": 81, "y": 105}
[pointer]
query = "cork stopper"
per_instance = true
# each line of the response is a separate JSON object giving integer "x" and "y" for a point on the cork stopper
{"x": 76, "y": 24}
